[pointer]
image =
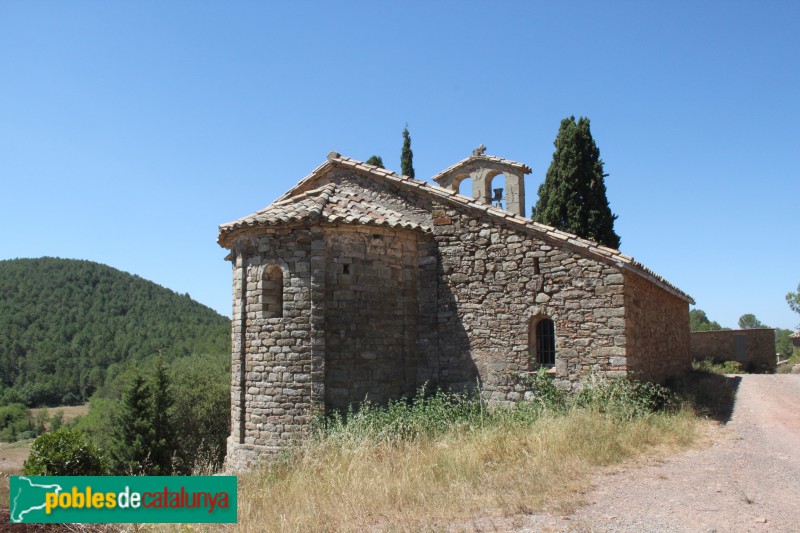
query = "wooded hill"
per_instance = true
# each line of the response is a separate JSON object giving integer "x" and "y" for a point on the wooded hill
{"x": 66, "y": 326}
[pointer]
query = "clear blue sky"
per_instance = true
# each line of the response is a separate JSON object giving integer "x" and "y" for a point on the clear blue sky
{"x": 130, "y": 131}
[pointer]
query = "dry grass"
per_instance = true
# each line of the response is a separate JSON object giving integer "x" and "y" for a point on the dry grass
{"x": 12, "y": 455}
{"x": 426, "y": 483}
{"x": 433, "y": 463}
{"x": 4, "y": 499}
{"x": 71, "y": 412}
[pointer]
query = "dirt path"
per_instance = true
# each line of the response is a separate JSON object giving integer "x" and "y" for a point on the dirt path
{"x": 748, "y": 480}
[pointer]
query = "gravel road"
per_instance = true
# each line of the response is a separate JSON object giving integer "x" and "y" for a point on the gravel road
{"x": 747, "y": 480}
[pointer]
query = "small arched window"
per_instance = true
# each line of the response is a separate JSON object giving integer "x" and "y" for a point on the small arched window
{"x": 542, "y": 342}
{"x": 272, "y": 292}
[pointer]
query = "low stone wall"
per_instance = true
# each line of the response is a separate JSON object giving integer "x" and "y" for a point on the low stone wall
{"x": 754, "y": 348}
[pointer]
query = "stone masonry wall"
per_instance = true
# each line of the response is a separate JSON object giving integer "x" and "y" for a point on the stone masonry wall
{"x": 494, "y": 282}
{"x": 271, "y": 374}
{"x": 657, "y": 326}
{"x": 371, "y": 310}
{"x": 343, "y": 335}
{"x": 758, "y": 344}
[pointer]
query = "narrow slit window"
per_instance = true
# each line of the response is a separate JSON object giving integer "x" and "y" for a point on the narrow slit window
{"x": 272, "y": 292}
{"x": 545, "y": 342}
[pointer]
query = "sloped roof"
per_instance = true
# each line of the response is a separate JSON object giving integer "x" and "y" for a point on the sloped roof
{"x": 327, "y": 203}
{"x": 304, "y": 201}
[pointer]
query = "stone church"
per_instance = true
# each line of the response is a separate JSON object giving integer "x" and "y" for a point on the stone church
{"x": 362, "y": 283}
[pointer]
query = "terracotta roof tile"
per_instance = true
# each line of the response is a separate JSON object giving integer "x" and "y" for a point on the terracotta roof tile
{"x": 298, "y": 197}
{"x": 327, "y": 203}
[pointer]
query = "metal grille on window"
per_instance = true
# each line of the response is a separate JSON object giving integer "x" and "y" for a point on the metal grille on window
{"x": 545, "y": 342}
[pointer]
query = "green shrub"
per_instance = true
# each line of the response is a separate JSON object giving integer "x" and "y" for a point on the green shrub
{"x": 725, "y": 367}
{"x": 57, "y": 420}
{"x": 626, "y": 398}
{"x": 14, "y": 420}
{"x": 64, "y": 452}
{"x": 202, "y": 410}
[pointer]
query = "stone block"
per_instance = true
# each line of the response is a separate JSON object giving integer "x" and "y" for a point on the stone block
{"x": 609, "y": 312}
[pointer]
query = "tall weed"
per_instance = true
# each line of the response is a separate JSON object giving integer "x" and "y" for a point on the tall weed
{"x": 421, "y": 463}
{"x": 431, "y": 414}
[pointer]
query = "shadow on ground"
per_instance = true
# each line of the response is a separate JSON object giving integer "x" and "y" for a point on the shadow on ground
{"x": 711, "y": 394}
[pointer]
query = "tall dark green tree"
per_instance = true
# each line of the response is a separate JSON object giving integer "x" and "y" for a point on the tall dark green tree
{"x": 407, "y": 156}
{"x": 163, "y": 446}
{"x": 573, "y": 195}
{"x": 145, "y": 438}
{"x": 134, "y": 430}
{"x": 376, "y": 160}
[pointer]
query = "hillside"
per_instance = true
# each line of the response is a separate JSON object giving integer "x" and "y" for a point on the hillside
{"x": 65, "y": 325}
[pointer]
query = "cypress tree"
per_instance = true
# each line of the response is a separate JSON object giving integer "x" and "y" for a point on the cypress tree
{"x": 573, "y": 195}
{"x": 407, "y": 156}
{"x": 376, "y": 160}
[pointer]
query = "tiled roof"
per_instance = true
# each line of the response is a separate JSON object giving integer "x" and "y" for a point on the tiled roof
{"x": 366, "y": 210}
{"x": 328, "y": 203}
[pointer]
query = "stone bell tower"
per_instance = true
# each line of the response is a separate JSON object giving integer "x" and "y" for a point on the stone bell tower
{"x": 482, "y": 169}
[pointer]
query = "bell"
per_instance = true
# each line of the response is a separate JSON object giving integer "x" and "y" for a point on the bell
{"x": 498, "y": 197}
